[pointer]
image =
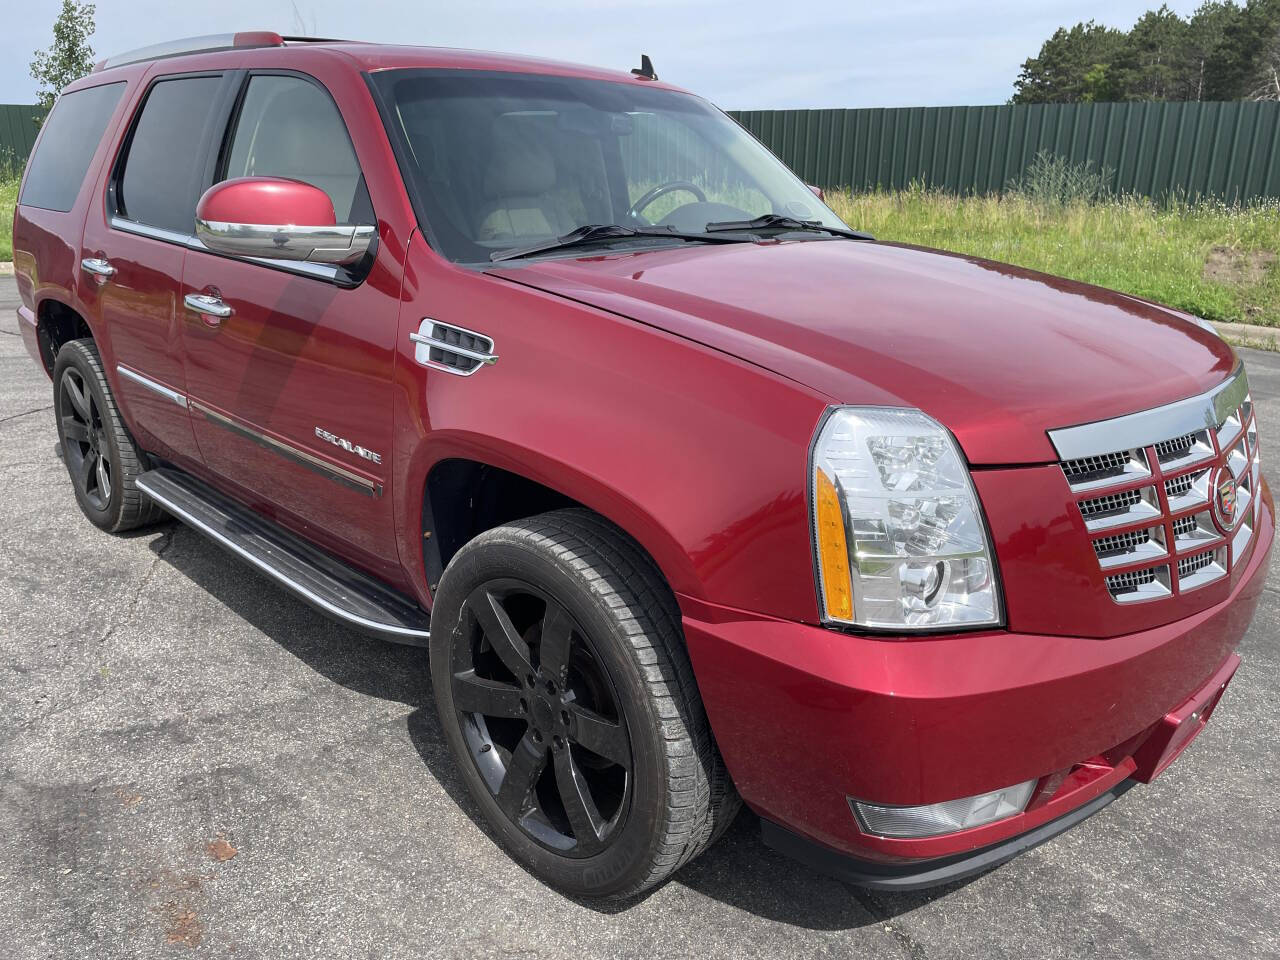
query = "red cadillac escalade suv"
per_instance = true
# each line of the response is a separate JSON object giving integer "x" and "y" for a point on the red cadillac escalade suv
{"x": 695, "y": 495}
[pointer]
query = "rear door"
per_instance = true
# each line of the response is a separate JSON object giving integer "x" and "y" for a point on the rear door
{"x": 291, "y": 390}
{"x": 133, "y": 248}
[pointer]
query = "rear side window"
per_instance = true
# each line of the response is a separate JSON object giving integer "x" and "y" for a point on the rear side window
{"x": 71, "y": 134}
{"x": 159, "y": 181}
{"x": 288, "y": 127}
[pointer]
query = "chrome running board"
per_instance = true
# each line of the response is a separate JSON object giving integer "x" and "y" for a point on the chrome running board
{"x": 322, "y": 580}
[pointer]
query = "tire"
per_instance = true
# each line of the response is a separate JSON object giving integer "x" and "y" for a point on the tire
{"x": 568, "y": 700}
{"x": 101, "y": 457}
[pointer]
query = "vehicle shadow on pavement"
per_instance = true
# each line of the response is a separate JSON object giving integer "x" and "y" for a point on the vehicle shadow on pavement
{"x": 739, "y": 870}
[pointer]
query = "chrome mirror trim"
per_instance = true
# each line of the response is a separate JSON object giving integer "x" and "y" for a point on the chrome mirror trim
{"x": 340, "y": 244}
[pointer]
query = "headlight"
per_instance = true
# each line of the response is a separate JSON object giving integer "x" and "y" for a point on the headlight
{"x": 900, "y": 539}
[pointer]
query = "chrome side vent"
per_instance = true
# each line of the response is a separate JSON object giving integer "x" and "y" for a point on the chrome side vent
{"x": 455, "y": 350}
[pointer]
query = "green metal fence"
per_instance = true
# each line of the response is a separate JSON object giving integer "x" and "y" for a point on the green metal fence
{"x": 18, "y": 129}
{"x": 1225, "y": 150}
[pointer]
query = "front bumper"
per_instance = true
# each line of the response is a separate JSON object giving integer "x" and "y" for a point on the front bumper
{"x": 920, "y": 875}
{"x": 807, "y": 718}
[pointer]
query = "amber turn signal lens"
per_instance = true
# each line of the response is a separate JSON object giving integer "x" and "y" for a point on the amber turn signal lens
{"x": 833, "y": 549}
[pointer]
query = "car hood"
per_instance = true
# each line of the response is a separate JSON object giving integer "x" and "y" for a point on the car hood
{"x": 998, "y": 354}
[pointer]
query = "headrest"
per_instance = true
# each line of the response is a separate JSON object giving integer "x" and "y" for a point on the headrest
{"x": 519, "y": 166}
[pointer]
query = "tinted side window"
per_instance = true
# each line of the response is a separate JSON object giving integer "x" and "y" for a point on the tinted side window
{"x": 288, "y": 127}
{"x": 71, "y": 135}
{"x": 159, "y": 181}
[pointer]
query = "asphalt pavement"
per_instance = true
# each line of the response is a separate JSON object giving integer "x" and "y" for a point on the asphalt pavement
{"x": 194, "y": 763}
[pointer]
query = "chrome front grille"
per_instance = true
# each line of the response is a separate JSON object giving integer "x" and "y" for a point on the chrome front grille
{"x": 1146, "y": 486}
{"x": 1121, "y": 542}
{"x": 1087, "y": 472}
{"x": 1147, "y": 584}
{"x": 1189, "y": 565}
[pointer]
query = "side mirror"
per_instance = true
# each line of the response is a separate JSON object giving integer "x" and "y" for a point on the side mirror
{"x": 817, "y": 192}
{"x": 277, "y": 219}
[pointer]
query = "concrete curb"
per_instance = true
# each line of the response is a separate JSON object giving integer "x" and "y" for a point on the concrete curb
{"x": 1249, "y": 335}
{"x": 6, "y": 269}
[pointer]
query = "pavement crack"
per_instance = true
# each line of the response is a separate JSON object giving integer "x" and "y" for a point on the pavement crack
{"x": 135, "y": 595}
{"x": 25, "y": 413}
{"x": 911, "y": 948}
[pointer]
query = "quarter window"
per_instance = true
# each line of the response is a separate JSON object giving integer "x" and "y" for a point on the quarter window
{"x": 71, "y": 135}
{"x": 289, "y": 127}
{"x": 158, "y": 186}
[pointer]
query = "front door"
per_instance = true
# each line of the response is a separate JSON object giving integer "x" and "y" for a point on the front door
{"x": 290, "y": 388}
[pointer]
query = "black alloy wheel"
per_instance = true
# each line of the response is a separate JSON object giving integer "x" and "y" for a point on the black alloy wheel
{"x": 85, "y": 443}
{"x": 541, "y": 719}
{"x": 100, "y": 454}
{"x": 568, "y": 701}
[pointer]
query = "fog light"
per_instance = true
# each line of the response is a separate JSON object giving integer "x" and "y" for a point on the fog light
{"x": 935, "y": 818}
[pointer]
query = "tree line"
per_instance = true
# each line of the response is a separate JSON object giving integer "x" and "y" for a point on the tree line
{"x": 1223, "y": 51}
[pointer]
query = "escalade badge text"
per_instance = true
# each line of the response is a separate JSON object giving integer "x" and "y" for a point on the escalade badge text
{"x": 347, "y": 445}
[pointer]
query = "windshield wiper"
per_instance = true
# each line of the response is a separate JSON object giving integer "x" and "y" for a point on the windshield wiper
{"x": 603, "y": 232}
{"x": 776, "y": 221}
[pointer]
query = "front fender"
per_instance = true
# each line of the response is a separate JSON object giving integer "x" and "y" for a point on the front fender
{"x": 701, "y": 457}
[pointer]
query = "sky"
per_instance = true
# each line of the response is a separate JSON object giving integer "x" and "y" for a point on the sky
{"x": 740, "y": 54}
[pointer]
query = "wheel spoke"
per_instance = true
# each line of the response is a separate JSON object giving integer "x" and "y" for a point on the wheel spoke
{"x": 602, "y": 737}
{"x": 74, "y": 430}
{"x": 527, "y": 762}
{"x": 87, "y": 466}
{"x": 104, "y": 478}
{"x": 501, "y": 633}
{"x": 584, "y": 817}
{"x": 75, "y": 391}
{"x": 472, "y": 694}
{"x": 553, "y": 648}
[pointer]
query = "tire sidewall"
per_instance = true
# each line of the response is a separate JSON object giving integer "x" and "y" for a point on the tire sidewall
{"x": 72, "y": 355}
{"x": 627, "y": 859}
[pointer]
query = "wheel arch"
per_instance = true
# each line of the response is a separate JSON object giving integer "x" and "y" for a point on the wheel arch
{"x": 471, "y": 486}
{"x": 56, "y": 323}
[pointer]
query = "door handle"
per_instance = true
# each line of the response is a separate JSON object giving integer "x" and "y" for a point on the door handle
{"x": 102, "y": 269}
{"x": 206, "y": 305}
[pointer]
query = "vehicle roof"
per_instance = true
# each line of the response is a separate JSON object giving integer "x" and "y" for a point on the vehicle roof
{"x": 368, "y": 57}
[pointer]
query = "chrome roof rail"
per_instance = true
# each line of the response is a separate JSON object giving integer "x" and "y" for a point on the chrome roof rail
{"x": 205, "y": 44}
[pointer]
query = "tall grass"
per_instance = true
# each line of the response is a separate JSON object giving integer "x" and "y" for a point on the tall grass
{"x": 1156, "y": 251}
{"x": 8, "y": 200}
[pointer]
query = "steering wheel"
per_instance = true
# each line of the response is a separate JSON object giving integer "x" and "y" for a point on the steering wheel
{"x": 661, "y": 191}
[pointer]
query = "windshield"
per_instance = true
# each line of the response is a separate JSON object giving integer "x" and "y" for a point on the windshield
{"x": 499, "y": 161}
